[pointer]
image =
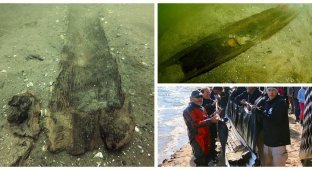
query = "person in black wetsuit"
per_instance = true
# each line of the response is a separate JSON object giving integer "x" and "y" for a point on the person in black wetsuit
{"x": 210, "y": 106}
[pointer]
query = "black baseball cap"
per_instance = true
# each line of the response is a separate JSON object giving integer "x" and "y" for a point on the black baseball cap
{"x": 196, "y": 93}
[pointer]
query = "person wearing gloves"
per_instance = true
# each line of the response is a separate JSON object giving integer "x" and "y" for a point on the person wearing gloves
{"x": 198, "y": 123}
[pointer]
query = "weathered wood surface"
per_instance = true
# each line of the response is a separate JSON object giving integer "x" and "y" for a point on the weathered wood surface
{"x": 88, "y": 106}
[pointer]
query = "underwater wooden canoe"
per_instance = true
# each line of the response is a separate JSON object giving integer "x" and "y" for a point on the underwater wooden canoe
{"x": 88, "y": 107}
{"x": 226, "y": 44}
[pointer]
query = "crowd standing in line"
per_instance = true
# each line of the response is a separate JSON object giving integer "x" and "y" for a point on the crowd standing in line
{"x": 272, "y": 104}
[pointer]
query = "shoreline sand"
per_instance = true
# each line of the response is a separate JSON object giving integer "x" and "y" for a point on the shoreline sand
{"x": 184, "y": 157}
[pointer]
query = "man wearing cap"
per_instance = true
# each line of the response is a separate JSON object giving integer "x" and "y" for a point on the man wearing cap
{"x": 275, "y": 129}
{"x": 198, "y": 122}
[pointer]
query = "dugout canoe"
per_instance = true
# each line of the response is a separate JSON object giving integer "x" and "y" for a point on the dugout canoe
{"x": 225, "y": 44}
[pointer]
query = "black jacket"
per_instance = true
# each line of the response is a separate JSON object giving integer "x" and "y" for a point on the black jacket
{"x": 250, "y": 98}
{"x": 207, "y": 104}
{"x": 275, "y": 123}
{"x": 237, "y": 92}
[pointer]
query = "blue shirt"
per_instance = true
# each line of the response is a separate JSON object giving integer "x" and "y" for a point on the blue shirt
{"x": 301, "y": 95}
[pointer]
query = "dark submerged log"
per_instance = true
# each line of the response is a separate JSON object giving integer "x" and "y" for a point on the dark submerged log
{"x": 226, "y": 44}
{"x": 88, "y": 105}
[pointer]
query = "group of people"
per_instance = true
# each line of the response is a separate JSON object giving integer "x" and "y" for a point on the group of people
{"x": 271, "y": 104}
{"x": 201, "y": 117}
{"x": 296, "y": 99}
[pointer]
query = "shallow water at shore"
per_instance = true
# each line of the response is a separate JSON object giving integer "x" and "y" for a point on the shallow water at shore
{"x": 172, "y": 132}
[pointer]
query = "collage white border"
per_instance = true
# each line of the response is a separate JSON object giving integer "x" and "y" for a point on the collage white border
{"x": 156, "y": 85}
{"x": 155, "y": 1}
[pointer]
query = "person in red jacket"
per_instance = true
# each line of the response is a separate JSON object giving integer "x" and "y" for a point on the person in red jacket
{"x": 198, "y": 122}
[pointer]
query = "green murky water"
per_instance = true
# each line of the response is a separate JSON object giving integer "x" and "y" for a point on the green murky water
{"x": 281, "y": 58}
